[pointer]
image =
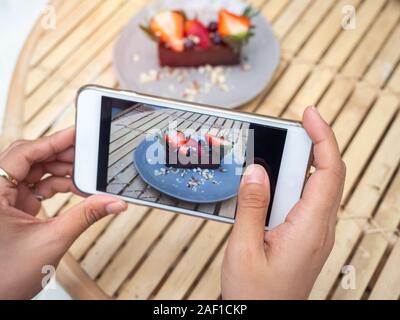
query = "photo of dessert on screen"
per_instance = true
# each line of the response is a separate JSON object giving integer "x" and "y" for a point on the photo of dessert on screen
{"x": 182, "y": 158}
{"x": 184, "y": 42}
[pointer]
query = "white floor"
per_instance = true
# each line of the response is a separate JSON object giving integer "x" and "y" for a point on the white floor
{"x": 17, "y": 18}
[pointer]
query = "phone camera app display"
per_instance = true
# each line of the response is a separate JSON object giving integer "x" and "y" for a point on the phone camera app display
{"x": 181, "y": 158}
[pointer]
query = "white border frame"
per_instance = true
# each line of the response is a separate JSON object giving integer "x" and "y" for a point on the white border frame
{"x": 292, "y": 174}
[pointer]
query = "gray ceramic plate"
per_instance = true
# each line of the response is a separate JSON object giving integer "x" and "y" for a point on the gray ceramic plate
{"x": 136, "y": 62}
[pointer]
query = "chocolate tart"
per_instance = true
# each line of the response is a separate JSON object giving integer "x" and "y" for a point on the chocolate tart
{"x": 215, "y": 55}
{"x": 211, "y": 160}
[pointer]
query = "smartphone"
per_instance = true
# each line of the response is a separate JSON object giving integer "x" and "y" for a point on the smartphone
{"x": 184, "y": 157}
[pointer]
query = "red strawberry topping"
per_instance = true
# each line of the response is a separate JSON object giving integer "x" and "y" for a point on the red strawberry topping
{"x": 197, "y": 29}
{"x": 230, "y": 24}
{"x": 168, "y": 26}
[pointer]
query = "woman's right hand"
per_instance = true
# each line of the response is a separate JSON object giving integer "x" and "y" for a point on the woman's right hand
{"x": 284, "y": 263}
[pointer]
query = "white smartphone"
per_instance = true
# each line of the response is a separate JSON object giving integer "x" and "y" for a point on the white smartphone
{"x": 184, "y": 157}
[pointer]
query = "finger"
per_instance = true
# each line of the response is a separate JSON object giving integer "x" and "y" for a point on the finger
{"x": 20, "y": 158}
{"x": 13, "y": 145}
{"x": 323, "y": 190}
{"x": 66, "y": 155}
{"x": 55, "y": 168}
{"x": 26, "y": 201}
{"x": 326, "y": 149}
{"x": 253, "y": 201}
{"x": 50, "y": 186}
{"x": 77, "y": 219}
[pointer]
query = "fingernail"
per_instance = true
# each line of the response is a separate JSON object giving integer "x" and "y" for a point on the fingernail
{"x": 315, "y": 110}
{"x": 254, "y": 174}
{"x": 115, "y": 207}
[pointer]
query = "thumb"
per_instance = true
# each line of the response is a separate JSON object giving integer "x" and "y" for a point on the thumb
{"x": 77, "y": 219}
{"x": 253, "y": 201}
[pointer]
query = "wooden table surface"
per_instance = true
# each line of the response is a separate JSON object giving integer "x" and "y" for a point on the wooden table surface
{"x": 353, "y": 76}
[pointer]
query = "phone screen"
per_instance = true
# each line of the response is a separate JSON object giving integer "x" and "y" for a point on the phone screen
{"x": 180, "y": 158}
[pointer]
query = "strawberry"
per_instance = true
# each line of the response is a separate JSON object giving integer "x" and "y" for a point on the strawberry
{"x": 219, "y": 142}
{"x": 214, "y": 141}
{"x": 232, "y": 25}
{"x": 196, "y": 28}
{"x": 175, "y": 139}
{"x": 168, "y": 26}
{"x": 191, "y": 145}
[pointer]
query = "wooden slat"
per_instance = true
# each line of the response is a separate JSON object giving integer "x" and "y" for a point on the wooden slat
{"x": 388, "y": 283}
{"x": 273, "y": 8}
{"x": 257, "y": 3}
{"x": 209, "y": 286}
{"x": 67, "y": 119}
{"x": 337, "y": 95}
{"x": 289, "y": 17}
{"x": 300, "y": 31}
{"x": 305, "y": 27}
{"x": 299, "y": 70}
{"x": 326, "y": 32}
{"x": 375, "y": 241}
{"x": 360, "y": 208}
{"x": 111, "y": 239}
{"x": 171, "y": 244}
{"x": 76, "y": 282}
{"x": 133, "y": 251}
{"x": 71, "y": 67}
{"x": 190, "y": 266}
{"x": 158, "y": 119}
{"x": 85, "y": 30}
{"x": 322, "y": 76}
{"x": 385, "y": 63}
{"x": 64, "y": 26}
{"x": 86, "y": 240}
{"x": 125, "y": 160}
{"x": 367, "y": 138}
{"x": 347, "y": 41}
{"x": 372, "y": 41}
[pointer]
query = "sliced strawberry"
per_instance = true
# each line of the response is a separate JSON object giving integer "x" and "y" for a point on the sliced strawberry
{"x": 219, "y": 144}
{"x": 215, "y": 141}
{"x": 175, "y": 139}
{"x": 191, "y": 143}
{"x": 196, "y": 28}
{"x": 168, "y": 26}
{"x": 230, "y": 24}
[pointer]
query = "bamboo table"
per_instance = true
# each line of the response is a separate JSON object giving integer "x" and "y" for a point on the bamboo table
{"x": 353, "y": 76}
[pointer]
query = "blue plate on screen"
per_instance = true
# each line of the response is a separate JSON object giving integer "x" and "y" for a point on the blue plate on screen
{"x": 193, "y": 185}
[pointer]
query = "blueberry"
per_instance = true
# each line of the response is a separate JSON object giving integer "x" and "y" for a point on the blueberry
{"x": 189, "y": 44}
{"x": 212, "y": 26}
{"x": 216, "y": 39}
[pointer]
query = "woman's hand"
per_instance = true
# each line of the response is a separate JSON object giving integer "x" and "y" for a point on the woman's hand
{"x": 27, "y": 244}
{"x": 285, "y": 262}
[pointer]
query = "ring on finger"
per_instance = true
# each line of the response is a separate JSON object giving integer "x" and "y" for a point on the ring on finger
{"x": 4, "y": 174}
